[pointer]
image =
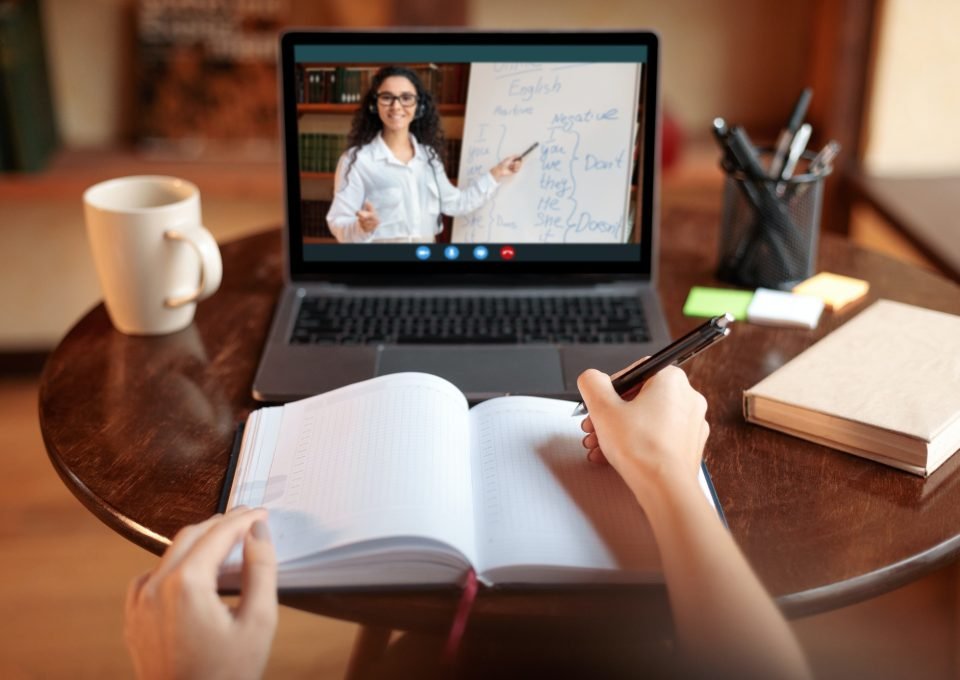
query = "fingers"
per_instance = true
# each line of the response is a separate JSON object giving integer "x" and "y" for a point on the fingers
{"x": 212, "y": 548}
{"x": 182, "y": 542}
{"x": 587, "y": 425}
{"x": 509, "y": 166}
{"x": 597, "y": 391}
{"x": 133, "y": 593}
{"x": 596, "y": 457}
{"x": 367, "y": 217}
{"x": 258, "y": 602}
{"x": 592, "y": 444}
{"x": 204, "y": 546}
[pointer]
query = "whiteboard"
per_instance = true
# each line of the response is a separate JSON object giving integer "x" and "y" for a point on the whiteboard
{"x": 575, "y": 186}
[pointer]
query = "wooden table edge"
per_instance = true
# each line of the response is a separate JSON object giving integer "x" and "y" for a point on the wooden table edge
{"x": 114, "y": 519}
{"x": 865, "y": 586}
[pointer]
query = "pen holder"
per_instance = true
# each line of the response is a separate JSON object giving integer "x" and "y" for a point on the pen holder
{"x": 769, "y": 228}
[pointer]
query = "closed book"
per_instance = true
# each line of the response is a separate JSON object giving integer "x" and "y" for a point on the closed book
{"x": 27, "y": 116}
{"x": 6, "y": 141}
{"x": 314, "y": 152}
{"x": 885, "y": 386}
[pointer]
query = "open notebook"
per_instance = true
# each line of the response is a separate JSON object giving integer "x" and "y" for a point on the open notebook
{"x": 396, "y": 481}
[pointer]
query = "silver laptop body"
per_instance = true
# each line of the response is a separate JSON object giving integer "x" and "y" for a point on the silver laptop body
{"x": 593, "y": 274}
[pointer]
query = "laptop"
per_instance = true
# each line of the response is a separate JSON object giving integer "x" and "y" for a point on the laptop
{"x": 502, "y": 274}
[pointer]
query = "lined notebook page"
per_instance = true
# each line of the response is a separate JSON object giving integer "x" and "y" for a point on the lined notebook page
{"x": 539, "y": 502}
{"x": 384, "y": 457}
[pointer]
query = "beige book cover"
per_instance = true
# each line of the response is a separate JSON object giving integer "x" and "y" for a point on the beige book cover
{"x": 885, "y": 385}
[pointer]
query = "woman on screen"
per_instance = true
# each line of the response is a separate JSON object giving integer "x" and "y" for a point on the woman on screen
{"x": 391, "y": 186}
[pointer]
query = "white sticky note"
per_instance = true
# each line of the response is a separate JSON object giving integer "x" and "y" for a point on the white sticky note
{"x": 779, "y": 308}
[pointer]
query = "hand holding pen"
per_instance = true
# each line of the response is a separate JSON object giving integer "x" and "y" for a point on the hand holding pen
{"x": 629, "y": 381}
{"x": 660, "y": 432}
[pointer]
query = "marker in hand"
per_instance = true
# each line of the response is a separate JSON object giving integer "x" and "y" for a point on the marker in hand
{"x": 532, "y": 147}
{"x": 514, "y": 163}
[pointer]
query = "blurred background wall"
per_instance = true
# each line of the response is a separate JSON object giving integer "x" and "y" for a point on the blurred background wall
{"x": 883, "y": 73}
{"x": 743, "y": 59}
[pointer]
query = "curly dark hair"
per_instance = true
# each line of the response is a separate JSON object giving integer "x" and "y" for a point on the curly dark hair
{"x": 425, "y": 126}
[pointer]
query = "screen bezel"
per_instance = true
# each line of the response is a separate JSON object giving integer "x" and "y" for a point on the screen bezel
{"x": 464, "y": 272}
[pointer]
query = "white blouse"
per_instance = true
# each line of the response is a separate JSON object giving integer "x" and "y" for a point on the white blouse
{"x": 408, "y": 197}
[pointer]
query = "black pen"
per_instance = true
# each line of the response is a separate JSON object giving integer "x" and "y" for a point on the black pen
{"x": 786, "y": 136}
{"x": 629, "y": 383}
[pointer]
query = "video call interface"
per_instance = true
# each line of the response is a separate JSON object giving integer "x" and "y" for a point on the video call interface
{"x": 537, "y": 159}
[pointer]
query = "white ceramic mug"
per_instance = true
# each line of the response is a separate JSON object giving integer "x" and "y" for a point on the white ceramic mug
{"x": 154, "y": 257}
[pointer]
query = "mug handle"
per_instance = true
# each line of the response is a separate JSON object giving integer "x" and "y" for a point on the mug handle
{"x": 211, "y": 266}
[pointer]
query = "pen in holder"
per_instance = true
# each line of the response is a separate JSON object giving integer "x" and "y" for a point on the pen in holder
{"x": 770, "y": 227}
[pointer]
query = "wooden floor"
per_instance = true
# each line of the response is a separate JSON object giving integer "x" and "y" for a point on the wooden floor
{"x": 63, "y": 576}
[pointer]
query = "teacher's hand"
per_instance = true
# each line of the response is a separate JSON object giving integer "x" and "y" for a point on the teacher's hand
{"x": 367, "y": 217}
{"x": 176, "y": 624}
{"x": 506, "y": 167}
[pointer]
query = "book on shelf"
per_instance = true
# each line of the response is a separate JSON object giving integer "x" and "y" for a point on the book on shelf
{"x": 452, "y": 161}
{"x": 319, "y": 152}
{"x": 395, "y": 481}
{"x": 334, "y": 84}
{"x": 28, "y": 130}
{"x": 313, "y": 219}
{"x": 884, "y": 386}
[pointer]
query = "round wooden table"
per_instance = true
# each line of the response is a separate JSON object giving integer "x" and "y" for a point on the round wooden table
{"x": 140, "y": 429}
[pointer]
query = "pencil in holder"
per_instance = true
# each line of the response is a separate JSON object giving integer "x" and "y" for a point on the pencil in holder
{"x": 769, "y": 228}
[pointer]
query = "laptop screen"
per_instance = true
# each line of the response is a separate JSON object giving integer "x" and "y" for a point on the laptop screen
{"x": 484, "y": 153}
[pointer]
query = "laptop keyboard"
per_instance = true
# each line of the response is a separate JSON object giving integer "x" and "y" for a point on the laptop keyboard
{"x": 469, "y": 320}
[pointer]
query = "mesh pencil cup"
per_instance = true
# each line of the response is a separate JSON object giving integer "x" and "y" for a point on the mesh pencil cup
{"x": 769, "y": 229}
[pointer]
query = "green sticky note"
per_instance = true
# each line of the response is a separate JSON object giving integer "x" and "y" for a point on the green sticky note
{"x": 703, "y": 301}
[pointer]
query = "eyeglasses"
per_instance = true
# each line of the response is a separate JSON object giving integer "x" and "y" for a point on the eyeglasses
{"x": 406, "y": 99}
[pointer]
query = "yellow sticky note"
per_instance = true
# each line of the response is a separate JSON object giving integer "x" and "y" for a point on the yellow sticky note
{"x": 835, "y": 290}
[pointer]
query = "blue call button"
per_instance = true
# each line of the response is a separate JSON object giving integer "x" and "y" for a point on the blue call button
{"x": 480, "y": 253}
{"x": 423, "y": 253}
{"x": 451, "y": 252}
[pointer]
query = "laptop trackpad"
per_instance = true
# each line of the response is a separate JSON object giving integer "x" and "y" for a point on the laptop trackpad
{"x": 482, "y": 370}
